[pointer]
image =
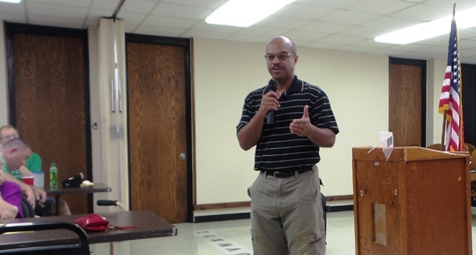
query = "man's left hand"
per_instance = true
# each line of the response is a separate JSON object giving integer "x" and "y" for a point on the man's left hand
{"x": 302, "y": 126}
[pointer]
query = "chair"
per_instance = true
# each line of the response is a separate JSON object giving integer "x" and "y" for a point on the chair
{"x": 473, "y": 160}
{"x": 435, "y": 146}
{"x": 27, "y": 209}
{"x": 80, "y": 248}
{"x": 470, "y": 147}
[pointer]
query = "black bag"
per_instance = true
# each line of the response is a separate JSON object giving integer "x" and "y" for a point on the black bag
{"x": 73, "y": 181}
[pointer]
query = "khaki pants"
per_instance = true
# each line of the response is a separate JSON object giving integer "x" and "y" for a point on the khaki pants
{"x": 287, "y": 215}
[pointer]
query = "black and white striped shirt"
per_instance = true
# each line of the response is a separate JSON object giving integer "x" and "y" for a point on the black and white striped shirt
{"x": 278, "y": 149}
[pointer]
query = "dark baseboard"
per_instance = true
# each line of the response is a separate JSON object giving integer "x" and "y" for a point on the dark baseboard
{"x": 339, "y": 208}
{"x": 222, "y": 217}
{"x": 246, "y": 215}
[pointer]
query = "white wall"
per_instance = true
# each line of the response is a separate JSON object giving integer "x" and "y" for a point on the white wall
{"x": 3, "y": 78}
{"x": 436, "y": 69}
{"x": 225, "y": 72}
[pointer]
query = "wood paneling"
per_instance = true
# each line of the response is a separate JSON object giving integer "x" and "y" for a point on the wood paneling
{"x": 158, "y": 129}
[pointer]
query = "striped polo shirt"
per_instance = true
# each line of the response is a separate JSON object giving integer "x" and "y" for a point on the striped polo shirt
{"x": 278, "y": 149}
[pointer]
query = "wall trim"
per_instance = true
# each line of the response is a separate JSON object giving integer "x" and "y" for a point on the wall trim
{"x": 202, "y": 207}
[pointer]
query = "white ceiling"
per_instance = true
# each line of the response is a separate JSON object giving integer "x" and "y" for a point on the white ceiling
{"x": 343, "y": 25}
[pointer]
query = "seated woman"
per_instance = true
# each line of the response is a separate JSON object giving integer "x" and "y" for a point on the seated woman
{"x": 10, "y": 199}
{"x": 10, "y": 202}
{"x": 13, "y": 154}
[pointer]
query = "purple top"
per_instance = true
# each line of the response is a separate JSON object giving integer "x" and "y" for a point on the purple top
{"x": 11, "y": 193}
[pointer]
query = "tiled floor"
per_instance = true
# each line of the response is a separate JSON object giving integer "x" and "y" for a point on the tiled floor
{"x": 232, "y": 238}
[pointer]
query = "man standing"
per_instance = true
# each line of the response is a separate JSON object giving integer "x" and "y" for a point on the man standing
{"x": 288, "y": 120}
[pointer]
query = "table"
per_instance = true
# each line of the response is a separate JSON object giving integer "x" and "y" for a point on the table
{"x": 97, "y": 187}
{"x": 149, "y": 225}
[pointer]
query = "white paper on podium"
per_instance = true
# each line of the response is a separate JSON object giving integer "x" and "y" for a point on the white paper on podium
{"x": 386, "y": 142}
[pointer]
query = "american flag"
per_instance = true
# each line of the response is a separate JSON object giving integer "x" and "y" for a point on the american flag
{"x": 387, "y": 146}
{"x": 451, "y": 95}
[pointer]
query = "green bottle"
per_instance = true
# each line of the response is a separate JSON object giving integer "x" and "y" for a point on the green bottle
{"x": 53, "y": 176}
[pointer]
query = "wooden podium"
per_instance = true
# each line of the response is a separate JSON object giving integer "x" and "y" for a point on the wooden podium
{"x": 417, "y": 202}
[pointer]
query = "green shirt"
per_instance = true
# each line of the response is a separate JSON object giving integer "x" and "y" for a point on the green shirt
{"x": 33, "y": 163}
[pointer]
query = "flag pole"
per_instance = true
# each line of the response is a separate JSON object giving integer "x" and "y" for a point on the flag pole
{"x": 443, "y": 131}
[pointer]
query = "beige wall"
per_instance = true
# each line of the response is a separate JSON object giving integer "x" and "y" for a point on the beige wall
{"x": 225, "y": 72}
{"x": 436, "y": 69}
{"x": 3, "y": 78}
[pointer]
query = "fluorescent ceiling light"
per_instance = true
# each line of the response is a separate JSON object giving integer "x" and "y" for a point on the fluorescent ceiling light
{"x": 244, "y": 13}
{"x": 464, "y": 19}
{"x": 11, "y": 1}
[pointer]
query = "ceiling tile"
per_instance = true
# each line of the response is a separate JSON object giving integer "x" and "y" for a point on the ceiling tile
{"x": 341, "y": 39}
{"x": 154, "y": 30}
{"x": 205, "y": 34}
{"x": 355, "y": 48}
{"x": 79, "y": 3}
{"x": 212, "y": 4}
{"x": 203, "y": 26}
{"x": 360, "y": 31}
{"x": 390, "y": 23}
{"x": 55, "y": 21}
{"x": 138, "y": 6}
{"x": 328, "y": 3}
{"x": 168, "y": 22}
{"x": 262, "y": 31}
{"x": 372, "y": 43}
{"x": 180, "y": 11}
{"x": 132, "y": 18}
{"x": 422, "y": 12}
{"x": 379, "y": 6}
{"x": 12, "y": 8}
{"x": 460, "y": 4}
{"x": 324, "y": 27}
{"x": 323, "y": 45}
{"x": 304, "y": 11}
{"x": 105, "y": 4}
{"x": 55, "y": 10}
{"x": 282, "y": 22}
{"x": 349, "y": 17}
{"x": 346, "y": 25}
{"x": 305, "y": 36}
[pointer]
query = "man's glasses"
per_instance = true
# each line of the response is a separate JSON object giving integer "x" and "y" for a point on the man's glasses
{"x": 8, "y": 137}
{"x": 282, "y": 56}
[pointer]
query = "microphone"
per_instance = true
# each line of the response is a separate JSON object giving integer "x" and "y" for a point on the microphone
{"x": 106, "y": 202}
{"x": 270, "y": 118}
{"x": 270, "y": 115}
{"x": 109, "y": 203}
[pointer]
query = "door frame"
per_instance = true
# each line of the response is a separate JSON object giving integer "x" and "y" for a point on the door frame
{"x": 186, "y": 43}
{"x": 422, "y": 64}
{"x": 10, "y": 30}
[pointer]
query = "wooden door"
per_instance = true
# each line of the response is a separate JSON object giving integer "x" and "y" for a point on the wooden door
{"x": 407, "y": 103}
{"x": 157, "y": 98}
{"x": 48, "y": 97}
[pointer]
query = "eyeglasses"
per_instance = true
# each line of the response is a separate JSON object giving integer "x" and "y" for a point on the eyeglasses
{"x": 282, "y": 56}
{"x": 8, "y": 137}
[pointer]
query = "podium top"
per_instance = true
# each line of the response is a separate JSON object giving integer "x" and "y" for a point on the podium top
{"x": 409, "y": 153}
